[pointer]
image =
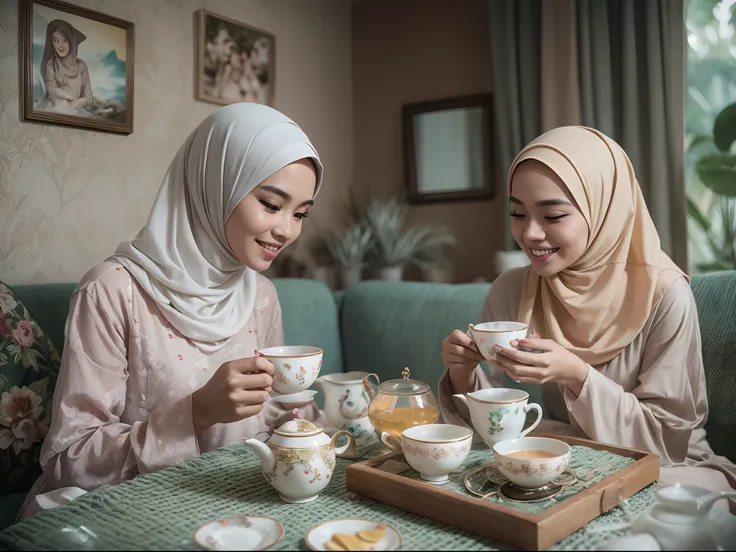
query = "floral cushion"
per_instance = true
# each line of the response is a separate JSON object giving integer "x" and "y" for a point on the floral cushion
{"x": 29, "y": 365}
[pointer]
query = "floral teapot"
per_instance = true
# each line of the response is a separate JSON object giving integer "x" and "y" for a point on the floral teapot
{"x": 299, "y": 458}
{"x": 682, "y": 518}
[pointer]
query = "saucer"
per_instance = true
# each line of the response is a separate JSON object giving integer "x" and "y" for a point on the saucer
{"x": 239, "y": 533}
{"x": 294, "y": 398}
{"x": 318, "y": 535}
{"x": 511, "y": 492}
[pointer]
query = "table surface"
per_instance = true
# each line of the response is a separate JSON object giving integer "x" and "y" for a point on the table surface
{"x": 162, "y": 510}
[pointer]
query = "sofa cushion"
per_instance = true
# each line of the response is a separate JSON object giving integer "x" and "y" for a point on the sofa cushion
{"x": 49, "y": 304}
{"x": 715, "y": 296}
{"x": 29, "y": 365}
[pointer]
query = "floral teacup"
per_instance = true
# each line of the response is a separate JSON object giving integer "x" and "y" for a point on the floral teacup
{"x": 433, "y": 450}
{"x": 531, "y": 462}
{"x": 295, "y": 367}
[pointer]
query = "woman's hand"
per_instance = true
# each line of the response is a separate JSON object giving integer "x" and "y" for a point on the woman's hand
{"x": 459, "y": 352}
{"x": 554, "y": 363}
{"x": 460, "y": 355}
{"x": 236, "y": 391}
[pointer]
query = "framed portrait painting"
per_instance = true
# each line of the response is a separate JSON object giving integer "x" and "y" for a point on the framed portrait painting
{"x": 76, "y": 67}
{"x": 235, "y": 62}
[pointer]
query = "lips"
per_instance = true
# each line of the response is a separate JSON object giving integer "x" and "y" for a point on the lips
{"x": 544, "y": 252}
{"x": 269, "y": 246}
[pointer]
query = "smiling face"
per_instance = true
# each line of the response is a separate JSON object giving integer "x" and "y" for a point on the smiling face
{"x": 545, "y": 220}
{"x": 61, "y": 43}
{"x": 270, "y": 217}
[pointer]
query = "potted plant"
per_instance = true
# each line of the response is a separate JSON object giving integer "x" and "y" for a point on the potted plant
{"x": 349, "y": 250}
{"x": 395, "y": 247}
{"x": 714, "y": 212}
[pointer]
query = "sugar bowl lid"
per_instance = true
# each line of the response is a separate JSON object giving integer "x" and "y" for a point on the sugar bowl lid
{"x": 404, "y": 385}
{"x": 297, "y": 428}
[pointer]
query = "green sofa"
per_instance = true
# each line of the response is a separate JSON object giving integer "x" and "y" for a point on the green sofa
{"x": 382, "y": 327}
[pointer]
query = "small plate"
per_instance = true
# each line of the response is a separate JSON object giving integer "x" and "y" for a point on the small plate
{"x": 294, "y": 398}
{"x": 318, "y": 535}
{"x": 239, "y": 533}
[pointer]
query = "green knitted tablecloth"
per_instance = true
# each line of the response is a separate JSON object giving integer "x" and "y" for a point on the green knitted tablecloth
{"x": 162, "y": 510}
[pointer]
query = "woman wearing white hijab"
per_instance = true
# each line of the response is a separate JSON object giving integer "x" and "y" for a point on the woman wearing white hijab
{"x": 158, "y": 362}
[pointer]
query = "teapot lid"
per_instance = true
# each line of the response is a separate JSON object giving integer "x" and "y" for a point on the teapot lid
{"x": 404, "y": 385}
{"x": 298, "y": 428}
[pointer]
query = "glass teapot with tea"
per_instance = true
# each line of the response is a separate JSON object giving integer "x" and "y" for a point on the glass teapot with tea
{"x": 401, "y": 403}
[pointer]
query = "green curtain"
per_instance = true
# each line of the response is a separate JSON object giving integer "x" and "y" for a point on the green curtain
{"x": 515, "y": 27}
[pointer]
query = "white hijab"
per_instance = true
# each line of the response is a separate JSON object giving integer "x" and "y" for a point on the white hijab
{"x": 181, "y": 256}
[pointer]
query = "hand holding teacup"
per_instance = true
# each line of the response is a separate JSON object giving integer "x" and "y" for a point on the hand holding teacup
{"x": 553, "y": 363}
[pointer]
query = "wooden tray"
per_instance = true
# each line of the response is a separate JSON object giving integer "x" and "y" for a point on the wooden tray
{"x": 499, "y": 522}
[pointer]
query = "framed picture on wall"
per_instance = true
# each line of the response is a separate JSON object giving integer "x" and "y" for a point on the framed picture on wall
{"x": 235, "y": 62}
{"x": 76, "y": 67}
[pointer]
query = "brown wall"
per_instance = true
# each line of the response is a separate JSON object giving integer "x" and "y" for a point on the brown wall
{"x": 414, "y": 50}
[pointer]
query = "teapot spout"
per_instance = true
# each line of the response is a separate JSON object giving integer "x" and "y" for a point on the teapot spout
{"x": 706, "y": 503}
{"x": 370, "y": 388}
{"x": 265, "y": 454}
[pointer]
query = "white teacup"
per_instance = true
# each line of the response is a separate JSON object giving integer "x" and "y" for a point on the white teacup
{"x": 531, "y": 462}
{"x": 295, "y": 367}
{"x": 488, "y": 334}
{"x": 498, "y": 414}
{"x": 433, "y": 450}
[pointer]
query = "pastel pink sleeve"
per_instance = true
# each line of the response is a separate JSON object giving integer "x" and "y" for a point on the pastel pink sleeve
{"x": 87, "y": 444}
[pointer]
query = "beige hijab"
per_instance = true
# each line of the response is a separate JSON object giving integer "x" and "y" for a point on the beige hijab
{"x": 599, "y": 304}
{"x": 65, "y": 69}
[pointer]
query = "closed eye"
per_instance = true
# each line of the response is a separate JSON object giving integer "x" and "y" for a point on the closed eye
{"x": 516, "y": 215}
{"x": 556, "y": 217}
{"x": 270, "y": 206}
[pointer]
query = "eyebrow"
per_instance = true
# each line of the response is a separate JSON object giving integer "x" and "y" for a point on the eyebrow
{"x": 544, "y": 202}
{"x": 281, "y": 193}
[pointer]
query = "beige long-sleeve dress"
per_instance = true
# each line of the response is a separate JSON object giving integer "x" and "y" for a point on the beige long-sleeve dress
{"x": 652, "y": 396}
{"x": 123, "y": 401}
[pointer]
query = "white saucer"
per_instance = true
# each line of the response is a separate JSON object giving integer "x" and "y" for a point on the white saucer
{"x": 318, "y": 535}
{"x": 294, "y": 398}
{"x": 239, "y": 533}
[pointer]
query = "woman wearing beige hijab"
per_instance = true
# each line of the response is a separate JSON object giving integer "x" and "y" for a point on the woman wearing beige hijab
{"x": 65, "y": 76}
{"x": 621, "y": 360}
{"x": 159, "y": 364}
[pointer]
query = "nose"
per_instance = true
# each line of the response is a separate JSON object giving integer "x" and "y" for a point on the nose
{"x": 284, "y": 230}
{"x": 533, "y": 232}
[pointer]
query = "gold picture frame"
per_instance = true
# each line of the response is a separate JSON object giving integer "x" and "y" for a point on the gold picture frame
{"x": 76, "y": 67}
{"x": 235, "y": 62}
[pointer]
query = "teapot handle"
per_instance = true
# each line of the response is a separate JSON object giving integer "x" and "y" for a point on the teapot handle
{"x": 348, "y": 449}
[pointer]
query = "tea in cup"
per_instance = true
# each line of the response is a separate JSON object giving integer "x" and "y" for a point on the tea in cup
{"x": 295, "y": 367}
{"x": 488, "y": 334}
{"x": 531, "y": 462}
{"x": 499, "y": 414}
{"x": 433, "y": 450}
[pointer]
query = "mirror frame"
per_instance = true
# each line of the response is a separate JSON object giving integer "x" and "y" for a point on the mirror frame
{"x": 409, "y": 111}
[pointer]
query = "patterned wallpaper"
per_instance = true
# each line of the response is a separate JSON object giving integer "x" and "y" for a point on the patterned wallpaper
{"x": 69, "y": 196}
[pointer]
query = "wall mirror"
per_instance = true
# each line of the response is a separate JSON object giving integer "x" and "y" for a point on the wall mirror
{"x": 448, "y": 149}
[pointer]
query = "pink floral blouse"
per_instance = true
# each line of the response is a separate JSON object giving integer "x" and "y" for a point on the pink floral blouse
{"x": 122, "y": 404}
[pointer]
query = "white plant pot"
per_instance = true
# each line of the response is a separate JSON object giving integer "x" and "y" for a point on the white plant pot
{"x": 506, "y": 260}
{"x": 392, "y": 273}
{"x": 351, "y": 276}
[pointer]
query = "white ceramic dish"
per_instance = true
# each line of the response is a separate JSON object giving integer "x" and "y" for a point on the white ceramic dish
{"x": 294, "y": 398}
{"x": 318, "y": 535}
{"x": 239, "y": 533}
